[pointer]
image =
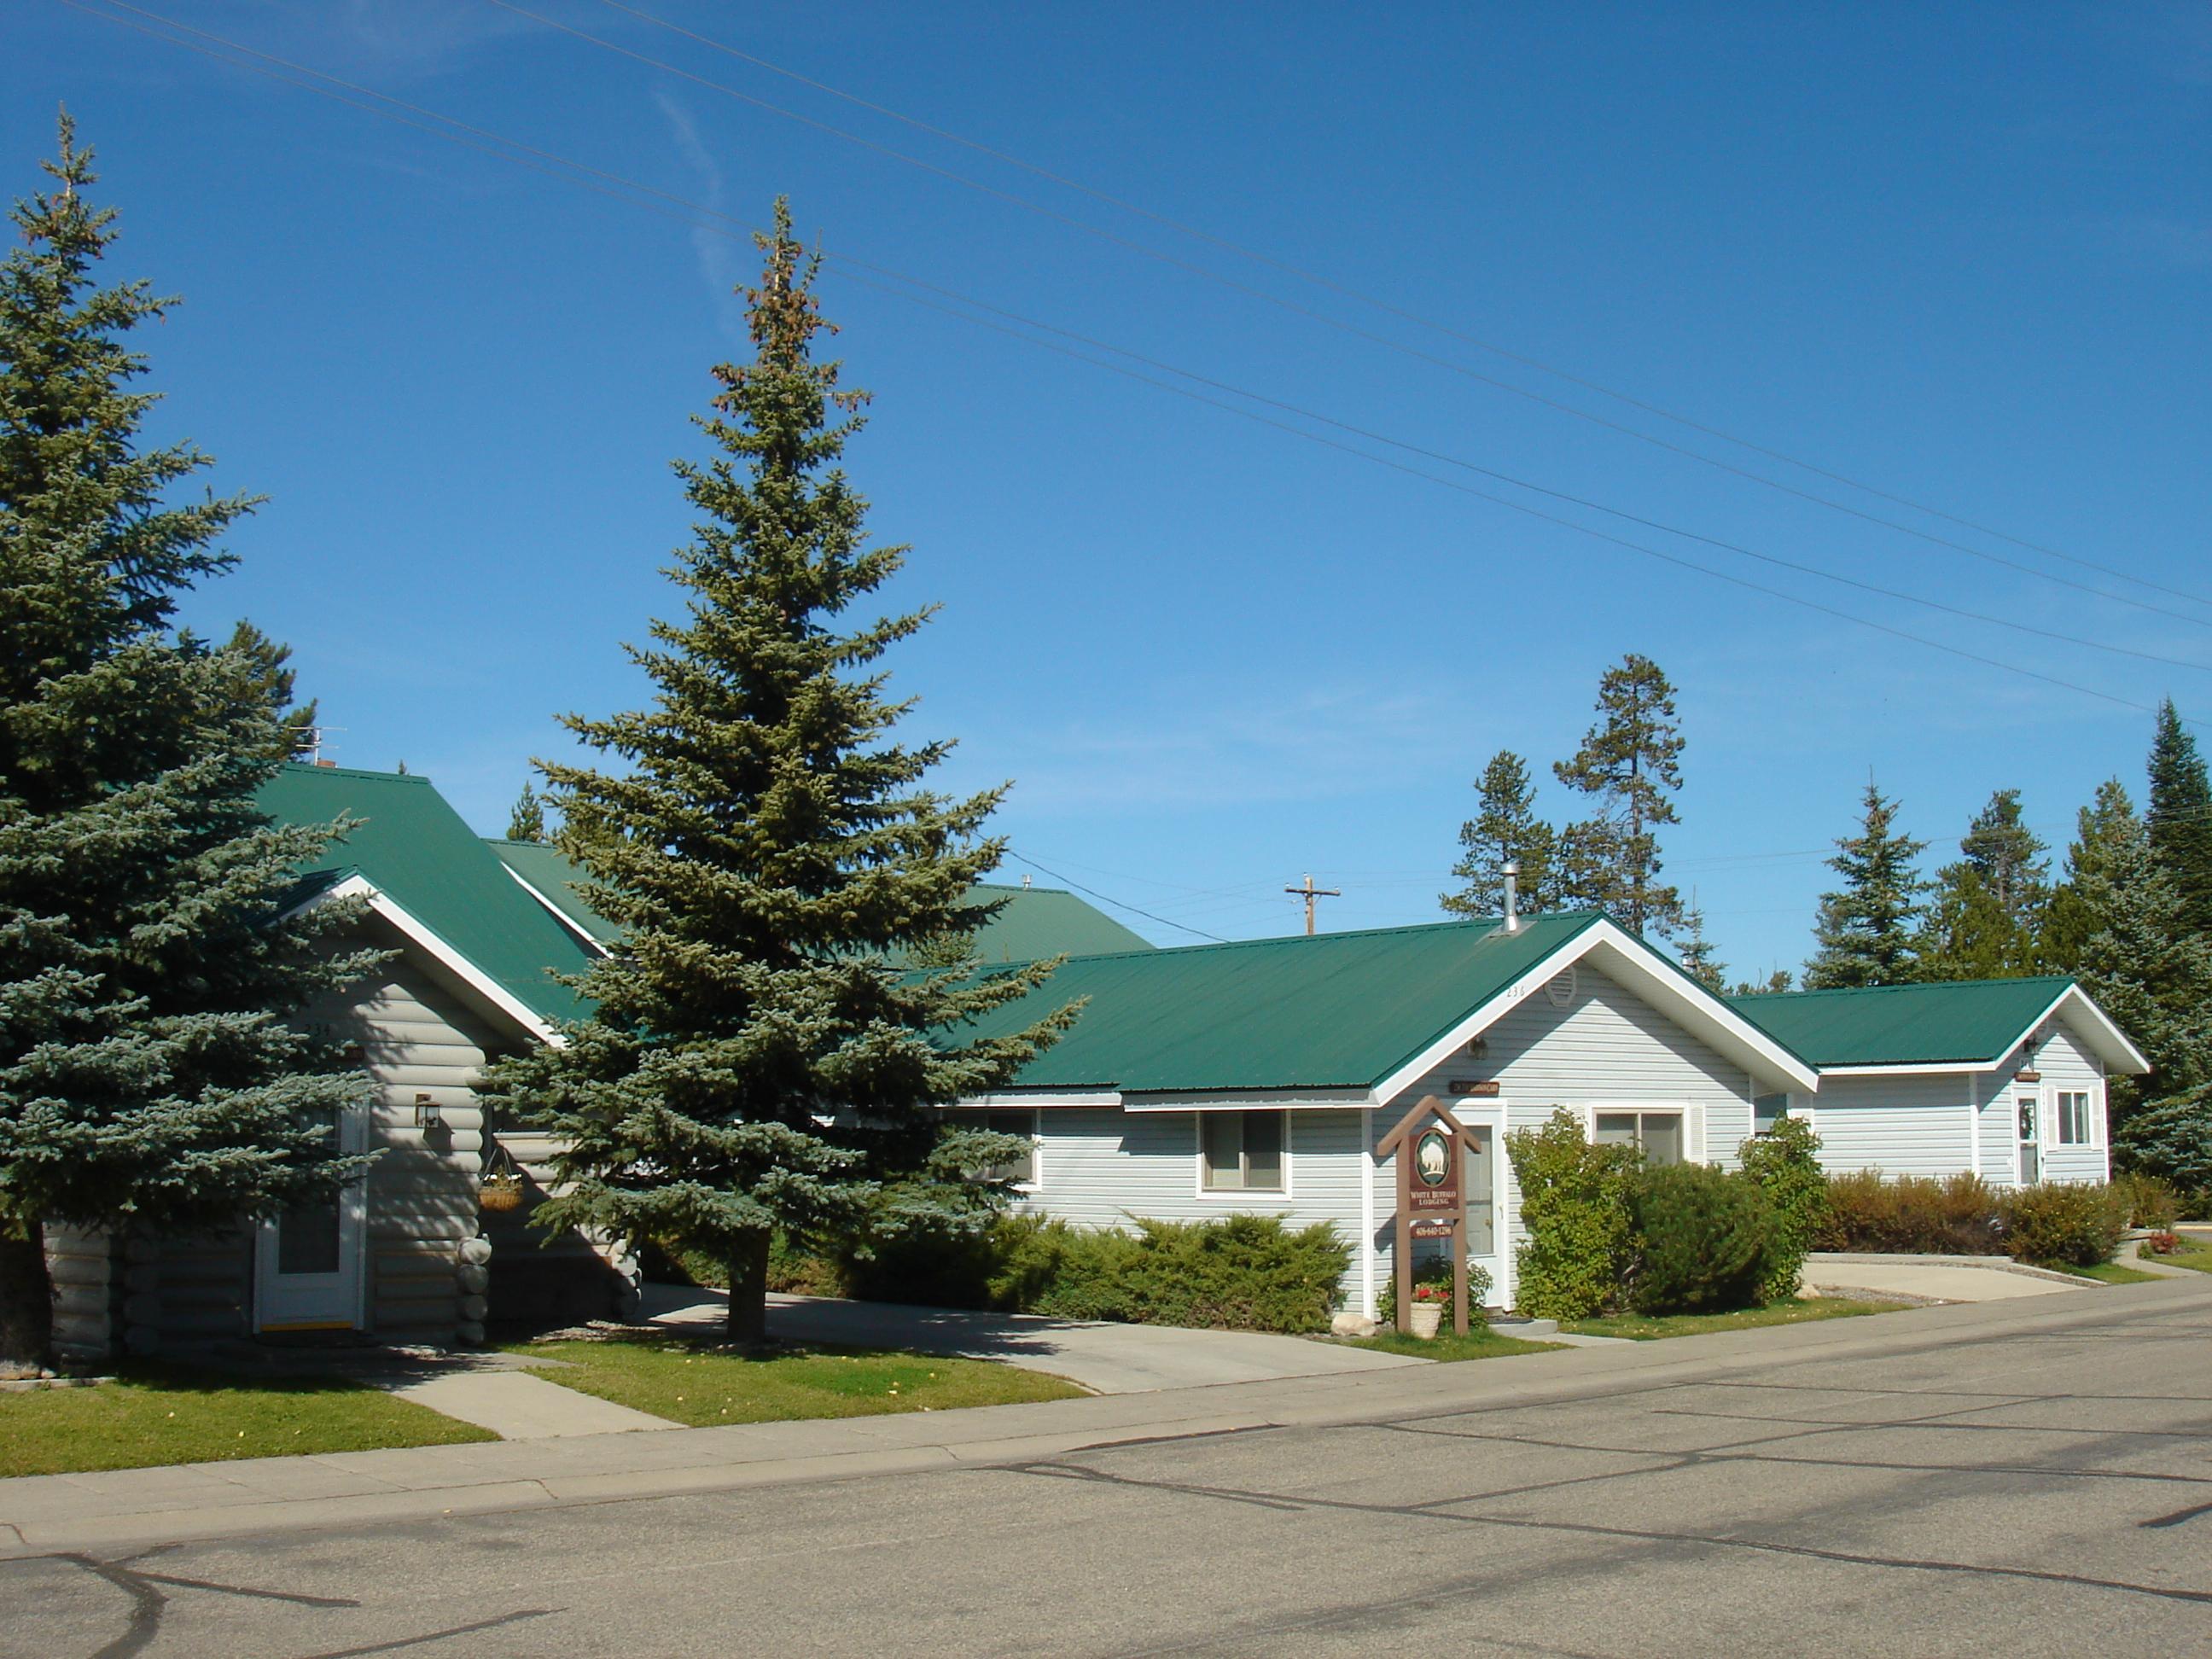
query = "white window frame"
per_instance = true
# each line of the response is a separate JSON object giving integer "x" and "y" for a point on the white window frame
{"x": 1036, "y": 1182}
{"x": 1241, "y": 1194}
{"x": 1691, "y": 1114}
{"x": 2087, "y": 1123}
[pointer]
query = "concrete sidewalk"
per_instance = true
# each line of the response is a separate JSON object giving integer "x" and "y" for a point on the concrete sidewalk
{"x": 1105, "y": 1358}
{"x": 125, "y": 1508}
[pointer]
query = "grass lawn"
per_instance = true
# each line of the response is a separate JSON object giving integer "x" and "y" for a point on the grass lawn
{"x": 700, "y": 1387}
{"x": 156, "y": 1413}
{"x": 2194, "y": 1253}
{"x": 1798, "y": 1310}
{"x": 2118, "y": 1272}
{"x": 1475, "y": 1345}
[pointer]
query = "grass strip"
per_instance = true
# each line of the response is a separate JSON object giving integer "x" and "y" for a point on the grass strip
{"x": 1798, "y": 1310}
{"x": 1447, "y": 1346}
{"x": 701, "y": 1386}
{"x": 156, "y": 1413}
{"x": 2114, "y": 1272}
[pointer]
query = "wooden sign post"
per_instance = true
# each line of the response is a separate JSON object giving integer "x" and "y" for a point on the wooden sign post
{"x": 1431, "y": 1146}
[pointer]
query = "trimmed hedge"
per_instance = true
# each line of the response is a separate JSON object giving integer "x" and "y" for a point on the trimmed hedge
{"x": 1704, "y": 1240}
{"x": 2064, "y": 1223}
{"x": 1960, "y": 1215}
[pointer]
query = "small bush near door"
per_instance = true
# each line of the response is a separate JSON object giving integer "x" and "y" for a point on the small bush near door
{"x": 2065, "y": 1224}
{"x": 1575, "y": 1204}
{"x": 1704, "y": 1240}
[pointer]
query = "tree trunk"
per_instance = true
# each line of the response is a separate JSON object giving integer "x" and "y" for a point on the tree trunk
{"x": 749, "y": 1290}
{"x": 27, "y": 1303}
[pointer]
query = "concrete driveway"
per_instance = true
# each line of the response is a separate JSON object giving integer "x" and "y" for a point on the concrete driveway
{"x": 1933, "y": 1278}
{"x": 1106, "y": 1358}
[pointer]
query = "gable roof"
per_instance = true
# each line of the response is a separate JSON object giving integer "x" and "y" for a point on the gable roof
{"x": 550, "y": 879}
{"x": 1334, "y": 1011}
{"x": 1035, "y": 923}
{"x": 413, "y": 849}
{"x": 1964, "y": 1023}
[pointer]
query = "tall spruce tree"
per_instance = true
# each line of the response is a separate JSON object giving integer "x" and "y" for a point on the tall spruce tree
{"x": 1987, "y": 919}
{"x": 756, "y": 1060}
{"x": 146, "y": 1075}
{"x": 526, "y": 822}
{"x": 2148, "y": 971}
{"x": 1866, "y": 933}
{"x": 2102, "y": 830}
{"x": 1630, "y": 763}
{"x": 1504, "y": 830}
{"x": 2180, "y": 816}
{"x": 1700, "y": 961}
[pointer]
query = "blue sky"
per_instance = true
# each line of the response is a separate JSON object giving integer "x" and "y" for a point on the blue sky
{"x": 1958, "y": 253}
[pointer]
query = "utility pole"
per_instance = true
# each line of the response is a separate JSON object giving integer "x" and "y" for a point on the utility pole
{"x": 1310, "y": 893}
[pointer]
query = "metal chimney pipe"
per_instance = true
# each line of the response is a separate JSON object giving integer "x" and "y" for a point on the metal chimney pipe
{"x": 1511, "y": 871}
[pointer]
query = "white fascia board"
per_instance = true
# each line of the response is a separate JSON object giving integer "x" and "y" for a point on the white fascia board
{"x": 1254, "y": 1102}
{"x": 439, "y": 950}
{"x": 557, "y": 913}
{"x": 1640, "y": 970}
{"x": 1015, "y": 1100}
{"x": 2111, "y": 1042}
{"x": 1917, "y": 1068}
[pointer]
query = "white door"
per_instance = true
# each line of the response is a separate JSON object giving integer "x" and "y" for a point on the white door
{"x": 1486, "y": 1209}
{"x": 308, "y": 1262}
{"x": 2030, "y": 1147}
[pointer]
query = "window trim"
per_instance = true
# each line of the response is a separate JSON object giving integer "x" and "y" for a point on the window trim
{"x": 2087, "y": 1121}
{"x": 1206, "y": 1195}
{"x": 1689, "y": 1112}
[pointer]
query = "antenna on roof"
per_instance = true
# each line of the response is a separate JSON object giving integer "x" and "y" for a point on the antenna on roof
{"x": 1025, "y": 881}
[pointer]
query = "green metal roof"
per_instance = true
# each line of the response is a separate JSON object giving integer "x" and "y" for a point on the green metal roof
{"x": 1333, "y": 1010}
{"x": 553, "y": 877}
{"x": 1945, "y": 1024}
{"x": 1035, "y": 923}
{"x": 414, "y": 848}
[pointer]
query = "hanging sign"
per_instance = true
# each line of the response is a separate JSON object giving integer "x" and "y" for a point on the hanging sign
{"x": 1436, "y": 1173}
{"x": 1430, "y": 1147}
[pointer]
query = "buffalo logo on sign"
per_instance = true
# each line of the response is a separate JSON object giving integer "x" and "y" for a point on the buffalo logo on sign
{"x": 1436, "y": 1173}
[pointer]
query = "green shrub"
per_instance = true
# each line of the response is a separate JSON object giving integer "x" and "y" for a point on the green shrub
{"x": 1243, "y": 1273}
{"x": 1786, "y": 1164}
{"x": 1704, "y": 1241}
{"x": 1434, "y": 1273}
{"x": 2065, "y": 1223}
{"x": 1574, "y": 1204}
{"x": 2151, "y": 1203}
{"x": 1962, "y": 1215}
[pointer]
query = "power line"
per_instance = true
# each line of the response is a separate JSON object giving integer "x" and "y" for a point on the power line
{"x": 694, "y": 209}
{"x": 1364, "y": 298}
{"x": 1092, "y": 892}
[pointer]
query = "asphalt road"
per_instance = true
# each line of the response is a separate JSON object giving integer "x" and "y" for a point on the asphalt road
{"x": 2045, "y": 1488}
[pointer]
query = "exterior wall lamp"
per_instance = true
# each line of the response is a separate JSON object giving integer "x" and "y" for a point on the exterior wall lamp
{"x": 427, "y": 1114}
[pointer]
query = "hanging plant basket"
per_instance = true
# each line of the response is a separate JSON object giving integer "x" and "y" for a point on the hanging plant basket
{"x": 502, "y": 1191}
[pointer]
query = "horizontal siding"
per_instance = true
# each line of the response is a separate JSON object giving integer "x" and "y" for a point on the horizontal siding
{"x": 1916, "y": 1125}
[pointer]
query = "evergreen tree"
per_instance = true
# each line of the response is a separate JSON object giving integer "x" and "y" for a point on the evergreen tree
{"x": 1865, "y": 933}
{"x": 147, "y": 1077}
{"x": 1987, "y": 920}
{"x": 527, "y": 821}
{"x": 1630, "y": 762}
{"x": 756, "y": 1060}
{"x": 1698, "y": 961}
{"x": 2180, "y": 816}
{"x": 1505, "y": 829}
{"x": 268, "y": 672}
{"x": 1776, "y": 983}
{"x": 2151, "y": 974}
{"x": 2071, "y": 918}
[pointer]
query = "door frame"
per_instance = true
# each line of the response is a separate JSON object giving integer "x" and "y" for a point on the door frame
{"x": 1489, "y": 1116}
{"x": 2037, "y": 1096}
{"x": 353, "y": 1246}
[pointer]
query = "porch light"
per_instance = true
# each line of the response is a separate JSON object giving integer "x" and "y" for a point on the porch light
{"x": 427, "y": 1114}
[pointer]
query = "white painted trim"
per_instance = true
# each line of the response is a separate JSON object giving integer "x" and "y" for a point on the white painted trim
{"x": 1014, "y": 1101}
{"x": 1974, "y": 1132}
{"x": 1947, "y": 1068}
{"x": 1242, "y": 1196}
{"x": 1691, "y": 1112}
{"x": 1642, "y": 972}
{"x": 2105, "y": 1039}
{"x": 417, "y": 933}
{"x": 555, "y": 911}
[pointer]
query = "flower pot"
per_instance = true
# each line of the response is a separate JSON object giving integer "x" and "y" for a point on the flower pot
{"x": 1428, "y": 1319}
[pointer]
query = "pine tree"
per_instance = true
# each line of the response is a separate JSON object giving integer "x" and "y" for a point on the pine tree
{"x": 1630, "y": 762}
{"x": 2072, "y": 917}
{"x": 1698, "y": 961}
{"x": 527, "y": 821}
{"x": 147, "y": 1077}
{"x": 269, "y": 673}
{"x": 1505, "y": 829}
{"x": 2150, "y": 973}
{"x": 2180, "y": 816}
{"x": 1987, "y": 919}
{"x": 1776, "y": 983}
{"x": 1865, "y": 933}
{"x": 756, "y": 1060}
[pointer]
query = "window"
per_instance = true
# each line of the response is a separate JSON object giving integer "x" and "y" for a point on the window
{"x": 1659, "y": 1134}
{"x": 1004, "y": 1123}
{"x": 1240, "y": 1152}
{"x": 1766, "y": 1111}
{"x": 2074, "y": 1118}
